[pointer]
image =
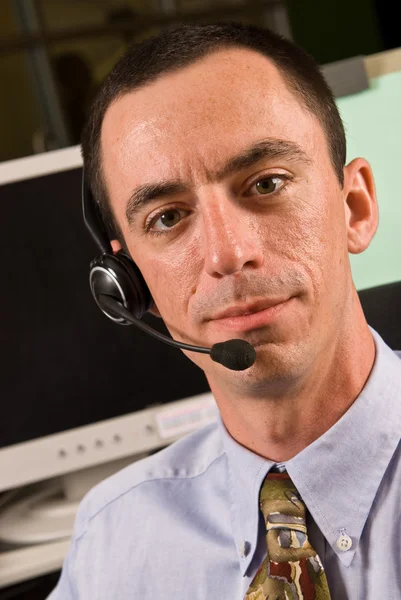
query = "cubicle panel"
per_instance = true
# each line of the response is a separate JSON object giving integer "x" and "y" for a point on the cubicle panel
{"x": 372, "y": 120}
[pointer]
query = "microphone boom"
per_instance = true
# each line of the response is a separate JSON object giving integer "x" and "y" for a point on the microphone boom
{"x": 236, "y": 354}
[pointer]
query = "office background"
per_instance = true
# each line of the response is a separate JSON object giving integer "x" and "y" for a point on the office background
{"x": 372, "y": 121}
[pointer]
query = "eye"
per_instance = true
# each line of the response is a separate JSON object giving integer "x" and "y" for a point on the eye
{"x": 268, "y": 185}
{"x": 167, "y": 219}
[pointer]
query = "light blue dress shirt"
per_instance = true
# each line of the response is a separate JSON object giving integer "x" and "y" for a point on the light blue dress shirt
{"x": 185, "y": 523}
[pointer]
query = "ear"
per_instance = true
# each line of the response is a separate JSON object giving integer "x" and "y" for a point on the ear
{"x": 154, "y": 311}
{"x": 361, "y": 211}
{"x": 115, "y": 244}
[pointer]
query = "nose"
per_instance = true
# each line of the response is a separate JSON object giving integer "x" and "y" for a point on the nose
{"x": 231, "y": 243}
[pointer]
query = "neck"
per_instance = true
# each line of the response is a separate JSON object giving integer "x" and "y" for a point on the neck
{"x": 278, "y": 426}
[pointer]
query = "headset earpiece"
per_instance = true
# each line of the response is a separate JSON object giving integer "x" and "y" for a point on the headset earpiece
{"x": 117, "y": 276}
{"x": 113, "y": 275}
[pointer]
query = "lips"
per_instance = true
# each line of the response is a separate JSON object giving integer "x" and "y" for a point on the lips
{"x": 248, "y": 309}
{"x": 251, "y": 316}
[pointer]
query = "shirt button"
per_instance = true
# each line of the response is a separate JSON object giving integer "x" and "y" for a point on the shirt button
{"x": 245, "y": 548}
{"x": 344, "y": 542}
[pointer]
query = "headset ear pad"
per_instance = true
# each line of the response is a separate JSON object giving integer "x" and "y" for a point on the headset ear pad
{"x": 117, "y": 275}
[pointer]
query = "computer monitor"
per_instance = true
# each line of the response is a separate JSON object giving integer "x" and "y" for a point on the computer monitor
{"x": 76, "y": 389}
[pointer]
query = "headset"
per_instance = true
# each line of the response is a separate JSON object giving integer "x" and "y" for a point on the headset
{"x": 113, "y": 275}
{"x": 121, "y": 293}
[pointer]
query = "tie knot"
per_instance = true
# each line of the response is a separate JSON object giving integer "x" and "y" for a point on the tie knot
{"x": 291, "y": 569}
{"x": 281, "y": 504}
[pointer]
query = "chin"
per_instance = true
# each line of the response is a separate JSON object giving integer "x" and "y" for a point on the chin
{"x": 278, "y": 367}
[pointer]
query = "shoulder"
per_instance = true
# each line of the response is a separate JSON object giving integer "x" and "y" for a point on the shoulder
{"x": 187, "y": 458}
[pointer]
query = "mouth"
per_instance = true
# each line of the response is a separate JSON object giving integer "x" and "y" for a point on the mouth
{"x": 251, "y": 316}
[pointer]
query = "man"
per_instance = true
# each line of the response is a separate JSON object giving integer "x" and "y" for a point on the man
{"x": 218, "y": 154}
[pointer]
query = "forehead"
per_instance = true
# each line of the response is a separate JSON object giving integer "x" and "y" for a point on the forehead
{"x": 190, "y": 119}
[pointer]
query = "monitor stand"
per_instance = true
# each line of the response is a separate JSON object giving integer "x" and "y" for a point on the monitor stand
{"x": 46, "y": 511}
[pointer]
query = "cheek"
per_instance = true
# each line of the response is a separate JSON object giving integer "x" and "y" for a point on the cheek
{"x": 172, "y": 279}
{"x": 309, "y": 233}
{"x": 317, "y": 236}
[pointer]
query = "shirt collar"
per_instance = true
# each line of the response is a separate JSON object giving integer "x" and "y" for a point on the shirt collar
{"x": 338, "y": 475}
{"x": 247, "y": 471}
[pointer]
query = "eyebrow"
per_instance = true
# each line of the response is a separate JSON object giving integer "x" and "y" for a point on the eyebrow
{"x": 268, "y": 149}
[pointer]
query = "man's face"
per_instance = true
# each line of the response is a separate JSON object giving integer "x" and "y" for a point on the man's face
{"x": 223, "y": 187}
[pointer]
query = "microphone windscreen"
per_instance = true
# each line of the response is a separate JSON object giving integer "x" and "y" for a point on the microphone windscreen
{"x": 236, "y": 355}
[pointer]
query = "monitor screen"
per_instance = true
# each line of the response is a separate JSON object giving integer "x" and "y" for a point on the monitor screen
{"x": 63, "y": 363}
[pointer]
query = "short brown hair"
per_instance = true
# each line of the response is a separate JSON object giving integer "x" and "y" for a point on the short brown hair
{"x": 182, "y": 45}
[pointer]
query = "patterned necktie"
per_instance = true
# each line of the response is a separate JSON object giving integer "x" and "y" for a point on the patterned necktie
{"x": 292, "y": 570}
